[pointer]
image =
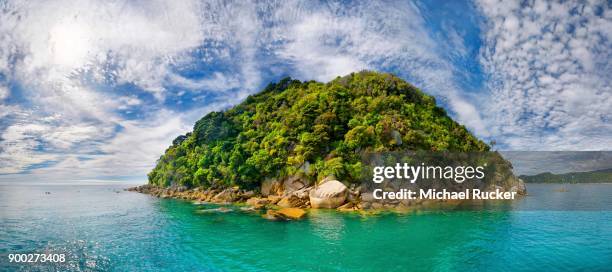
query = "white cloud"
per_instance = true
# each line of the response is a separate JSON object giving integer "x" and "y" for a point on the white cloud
{"x": 60, "y": 52}
{"x": 550, "y": 82}
{"x": 132, "y": 151}
{"x": 78, "y": 152}
{"x": 4, "y": 92}
{"x": 321, "y": 45}
{"x": 61, "y": 38}
{"x": 326, "y": 41}
{"x": 18, "y": 147}
{"x": 67, "y": 136}
{"x": 128, "y": 101}
{"x": 217, "y": 82}
{"x": 71, "y": 49}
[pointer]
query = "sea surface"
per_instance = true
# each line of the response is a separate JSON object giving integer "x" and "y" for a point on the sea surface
{"x": 103, "y": 228}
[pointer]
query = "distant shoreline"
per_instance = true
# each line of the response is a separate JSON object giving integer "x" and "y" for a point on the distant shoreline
{"x": 596, "y": 176}
{"x": 559, "y": 183}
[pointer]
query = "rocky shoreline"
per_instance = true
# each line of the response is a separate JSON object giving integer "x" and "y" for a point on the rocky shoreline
{"x": 289, "y": 199}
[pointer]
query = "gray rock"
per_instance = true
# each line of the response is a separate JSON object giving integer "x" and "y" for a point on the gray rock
{"x": 397, "y": 137}
{"x": 294, "y": 183}
{"x": 329, "y": 194}
{"x": 270, "y": 187}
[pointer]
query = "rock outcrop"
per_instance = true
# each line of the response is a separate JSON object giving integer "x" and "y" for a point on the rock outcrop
{"x": 294, "y": 183}
{"x": 296, "y": 199}
{"x": 271, "y": 187}
{"x": 294, "y": 193}
{"x": 285, "y": 214}
{"x": 228, "y": 195}
{"x": 293, "y": 201}
{"x": 225, "y": 196}
{"x": 257, "y": 202}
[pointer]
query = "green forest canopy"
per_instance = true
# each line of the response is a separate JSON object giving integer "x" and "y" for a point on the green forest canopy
{"x": 311, "y": 129}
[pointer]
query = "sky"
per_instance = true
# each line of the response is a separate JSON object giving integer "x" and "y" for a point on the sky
{"x": 97, "y": 90}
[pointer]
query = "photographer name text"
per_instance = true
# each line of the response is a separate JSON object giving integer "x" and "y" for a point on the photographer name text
{"x": 443, "y": 194}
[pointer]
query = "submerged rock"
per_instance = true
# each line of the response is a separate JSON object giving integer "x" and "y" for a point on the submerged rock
{"x": 223, "y": 209}
{"x": 271, "y": 215}
{"x": 215, "y": 210}
{"x": 248, "y": 209}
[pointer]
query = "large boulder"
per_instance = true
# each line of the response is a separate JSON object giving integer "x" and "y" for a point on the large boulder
{"x": 329, "y": 194}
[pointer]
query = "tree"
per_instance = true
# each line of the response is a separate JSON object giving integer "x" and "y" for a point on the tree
{"x": 291, "y": 123}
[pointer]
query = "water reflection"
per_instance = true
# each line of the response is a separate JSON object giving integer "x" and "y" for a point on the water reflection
{"x": 327, "y": 225}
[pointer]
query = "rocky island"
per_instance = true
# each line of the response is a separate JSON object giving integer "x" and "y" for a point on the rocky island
{"x": 299, "y": 145}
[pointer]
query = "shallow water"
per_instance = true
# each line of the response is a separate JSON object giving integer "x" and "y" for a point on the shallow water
{"x": 101, "y": 228}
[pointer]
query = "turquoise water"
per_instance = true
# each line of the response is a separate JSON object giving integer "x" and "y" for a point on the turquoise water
{"x": 101, "y": 228}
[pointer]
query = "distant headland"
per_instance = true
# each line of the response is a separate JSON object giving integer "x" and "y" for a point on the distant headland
{"x": 596, "y": 176}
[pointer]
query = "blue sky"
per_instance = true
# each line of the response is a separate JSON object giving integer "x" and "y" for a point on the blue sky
{"x": 98, "y": 89}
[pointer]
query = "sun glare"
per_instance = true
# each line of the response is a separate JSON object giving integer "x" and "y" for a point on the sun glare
{"x": 69, "y": 44}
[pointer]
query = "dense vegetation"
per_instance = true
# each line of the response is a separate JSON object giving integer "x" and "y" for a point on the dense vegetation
{"x": 311, "y": 129}
{"x": 598, "y": 176}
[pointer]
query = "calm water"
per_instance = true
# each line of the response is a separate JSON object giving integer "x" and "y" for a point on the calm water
{"x": 102, "y": 228}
